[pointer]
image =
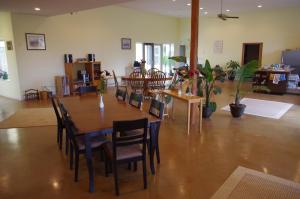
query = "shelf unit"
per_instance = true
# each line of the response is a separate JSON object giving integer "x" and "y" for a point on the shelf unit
{"x": 264, "y": 78}
{"x": 92, "y": 68}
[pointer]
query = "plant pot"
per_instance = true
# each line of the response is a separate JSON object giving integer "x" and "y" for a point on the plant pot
{"x": 206, "y": 112}
{"x": 237, "y": 110}
{"x": 231, "y": 77}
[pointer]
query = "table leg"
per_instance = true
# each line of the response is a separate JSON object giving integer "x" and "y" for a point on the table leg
{"x": 189, "y": 117}
{"x": 89, "y": 161}
{"x": 172, "y": 111}
{"x": 200, "y": 117}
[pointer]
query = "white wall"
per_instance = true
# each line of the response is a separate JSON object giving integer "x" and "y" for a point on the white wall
{"x": 9, "y": 88}
{"x": 96, "y": 31}
{"x": 277, "y": 29}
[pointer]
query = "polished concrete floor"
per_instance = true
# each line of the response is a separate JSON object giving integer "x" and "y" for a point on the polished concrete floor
{"x": 192, "y": 166}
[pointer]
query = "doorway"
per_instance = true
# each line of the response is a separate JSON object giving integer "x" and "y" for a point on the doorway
{"x": 252, "y": 51}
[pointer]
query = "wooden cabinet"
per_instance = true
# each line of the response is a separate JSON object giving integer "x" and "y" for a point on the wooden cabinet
{"x": 93, "y": 69}
{"x": 266, "y": 78}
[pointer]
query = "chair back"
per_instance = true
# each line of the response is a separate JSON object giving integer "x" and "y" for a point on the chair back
{"x": 31, "y": 94}
{"x": 115, "y": 79}
{"x": 135, "y": 99}
{"x": 123, "y": 141}
{"x": 151, "y": 72}
{"x": 121, "y": 94}
{"x": 87, "y": 89}
{"x": 136, "y": 80}
{"x": 71, "y": 129}
{"x": 55, "y": 104}
{"x": 156, "y": 108}
{"x": 159, "y": 80}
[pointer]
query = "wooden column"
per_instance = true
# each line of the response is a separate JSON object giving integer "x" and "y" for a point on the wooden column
{"x": 194, "y": 48}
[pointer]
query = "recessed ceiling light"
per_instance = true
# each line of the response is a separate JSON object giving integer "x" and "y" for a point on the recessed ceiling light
{"x": 205, "y": 13}
{"x": 173, "y": 0}
{"x": 188, "y": 4}
{"x": 227, "y": 10}
{"x": 201, "y": 8}
{"x": 37, "y": 9}
{"x": 259, "y": 6}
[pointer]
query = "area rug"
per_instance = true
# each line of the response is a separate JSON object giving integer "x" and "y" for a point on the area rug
{"x": 30, "y": 117}
{"x": 264, "y": 108}
{"x": 246, "y": 183}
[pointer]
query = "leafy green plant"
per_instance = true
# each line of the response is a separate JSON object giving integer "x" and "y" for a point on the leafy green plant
{"x": 231, "y": 68}
{"x": 102, "y": 85}
{"x": 207, "y": 83}
{"x": 243, "y": 74}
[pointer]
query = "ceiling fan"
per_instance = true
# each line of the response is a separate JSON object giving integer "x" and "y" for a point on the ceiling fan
{"x": 224, "y": 16}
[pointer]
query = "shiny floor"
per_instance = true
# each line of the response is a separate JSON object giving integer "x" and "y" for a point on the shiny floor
{"x": 192, "y": 166}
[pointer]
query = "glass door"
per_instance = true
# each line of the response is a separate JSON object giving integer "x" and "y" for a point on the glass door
{"x": 149, "y": 55}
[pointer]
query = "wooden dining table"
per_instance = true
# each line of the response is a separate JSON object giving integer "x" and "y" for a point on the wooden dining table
{"x": 90, "y": 121}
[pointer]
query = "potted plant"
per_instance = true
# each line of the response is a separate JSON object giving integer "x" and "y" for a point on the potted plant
{"x": 243, "y": 74}
{"x": 207, "y": 83}
{"x": 231, "y": 68}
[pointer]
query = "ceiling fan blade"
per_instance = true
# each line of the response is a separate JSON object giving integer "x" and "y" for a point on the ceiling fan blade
{"x": 231, "y": 17}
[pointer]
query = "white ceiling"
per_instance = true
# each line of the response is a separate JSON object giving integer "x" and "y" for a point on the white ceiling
{"x": 53, "y": 7}
{"x": 177, "y": 8}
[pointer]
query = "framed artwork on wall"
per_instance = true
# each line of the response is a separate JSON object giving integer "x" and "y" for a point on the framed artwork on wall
{"x": 126, "y": 43}
{"x": 35, "y": 41}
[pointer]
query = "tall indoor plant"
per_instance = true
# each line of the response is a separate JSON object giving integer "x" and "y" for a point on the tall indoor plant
{"x": 243, "y": 74}
{"x": 207, "y": 84}
{"x": 231, "y": 69}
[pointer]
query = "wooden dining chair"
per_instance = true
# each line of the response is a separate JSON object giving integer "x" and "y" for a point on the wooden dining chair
{"x": 136, "y": 81}
{"x": 152, "y": 71}
{"x": 127, "y": 149}
{"x": 136, "y": 99}
{"x": 60, "y": 124}
{"x": 117, "y": 85}
{"x": 121, "y": 94}
{"x": 156, "y": 109}
{"x": 78, "y": 143}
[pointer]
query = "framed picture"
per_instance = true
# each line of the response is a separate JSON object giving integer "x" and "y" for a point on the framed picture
{"x": 126, "y": 43}
{"x": 9, "y": 45}
{"x": 35, "y": 41}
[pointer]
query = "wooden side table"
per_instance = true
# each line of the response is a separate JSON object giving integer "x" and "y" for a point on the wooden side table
{"x": 189, "y": 100}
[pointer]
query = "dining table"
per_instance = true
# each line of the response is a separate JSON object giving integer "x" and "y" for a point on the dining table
{"x": 91, "y": 121}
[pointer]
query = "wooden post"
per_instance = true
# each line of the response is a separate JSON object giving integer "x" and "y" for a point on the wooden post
{"x": 194, "y": 48}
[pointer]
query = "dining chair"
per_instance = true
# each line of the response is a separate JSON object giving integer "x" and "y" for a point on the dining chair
{"x": 151, "y": 72}
{"x": 121, "y": 94}
{"x": 157, "y": 84}
{"x": 31, "y": 94}
{"x": 117, "y": 85}
{"x": 60, "y": 124}
{"x": 62, "y": 111}
{"x": 135, "y": 100}
{"x": 136, "y": 81}
{"x": 157, "y": 110}
{"x": 87, "y": 89}
{"x": 127, "y": 149}
{"x": 78, "y": 143}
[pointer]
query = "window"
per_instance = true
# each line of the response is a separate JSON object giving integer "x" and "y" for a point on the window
{"x": 3, "y": 59}
{"x": 155, "y": 55}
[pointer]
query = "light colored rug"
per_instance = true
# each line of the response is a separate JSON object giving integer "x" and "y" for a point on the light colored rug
{"x": 30, "y": 117}
{"x": 264, "y": 108}
{"x": 246, "y": 183}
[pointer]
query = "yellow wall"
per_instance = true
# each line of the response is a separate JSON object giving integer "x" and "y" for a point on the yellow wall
{"x": 9, "y": 88}
{"x": 277, "y": 29}
{"x": 97, "y": 31}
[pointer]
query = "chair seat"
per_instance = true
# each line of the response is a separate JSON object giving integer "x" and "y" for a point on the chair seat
{"x": 96, "y": 142}
{"x": 125, "y": 152}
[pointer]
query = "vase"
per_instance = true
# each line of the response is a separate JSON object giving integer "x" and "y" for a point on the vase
{"x": 101, "y": 104}
{"x": 190, "y": 90}
{"x": 184, "y": 86}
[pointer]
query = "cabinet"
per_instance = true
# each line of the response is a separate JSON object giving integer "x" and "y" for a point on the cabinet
{"x": 266, "y": 78}
{"x": 93, "y": 69}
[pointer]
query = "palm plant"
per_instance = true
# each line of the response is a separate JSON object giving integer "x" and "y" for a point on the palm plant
{"x": 231, "y": 69}
{"x": 243, "y": 74}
